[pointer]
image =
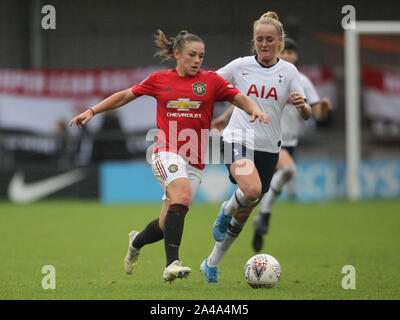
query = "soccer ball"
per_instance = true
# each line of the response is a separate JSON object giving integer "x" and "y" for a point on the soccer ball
{"x": 262, "y": 271}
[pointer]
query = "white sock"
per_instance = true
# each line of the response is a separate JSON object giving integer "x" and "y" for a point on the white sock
{"x": 220, "y": 248}
{"x": 279, "y": 179}
{"x": 238, "y": 200}
{"x": 268, "y": 201}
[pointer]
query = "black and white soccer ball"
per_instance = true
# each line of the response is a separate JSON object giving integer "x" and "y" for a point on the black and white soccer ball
{"x": 262, "y": 271}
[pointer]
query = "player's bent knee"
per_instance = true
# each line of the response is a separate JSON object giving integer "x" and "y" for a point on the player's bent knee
{"x": 182, "y": 199}
{"x": 252, "y": 193}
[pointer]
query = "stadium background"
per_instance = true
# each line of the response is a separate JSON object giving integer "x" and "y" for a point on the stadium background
{"x": 111, "y": 43}
{"x": 99, "y": 47}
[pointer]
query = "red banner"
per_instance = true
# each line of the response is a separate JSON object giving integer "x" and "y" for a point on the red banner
{"x": 70, "y": 83}
{"x": 381, "y": 94}
{"x": 36, "y": 100}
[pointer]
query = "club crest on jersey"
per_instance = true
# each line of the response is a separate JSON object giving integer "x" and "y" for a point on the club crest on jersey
{"x": 173, "y": 168}
{"x": 184, "y": 104}
{"x": 199, "y": 88}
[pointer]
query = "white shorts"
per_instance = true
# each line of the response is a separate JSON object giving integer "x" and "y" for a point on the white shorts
{"x": 168, "y": 166}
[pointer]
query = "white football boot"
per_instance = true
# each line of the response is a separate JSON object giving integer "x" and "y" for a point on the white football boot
{"x": 131, "y": 259}
{"x": 175, "y": 270}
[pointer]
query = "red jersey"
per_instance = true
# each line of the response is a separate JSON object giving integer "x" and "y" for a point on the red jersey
{"x": 185, "y": 108}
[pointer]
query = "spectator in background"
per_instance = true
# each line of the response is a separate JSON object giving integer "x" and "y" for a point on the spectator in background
{"x": 110, "y": 141}
{"x": 83, "y": 143}
{"x": 64, "y": 151}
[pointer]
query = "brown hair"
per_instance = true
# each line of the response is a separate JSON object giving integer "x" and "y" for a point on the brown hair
{"x": 271, "y": 17}
{"x": 167, "y": 47}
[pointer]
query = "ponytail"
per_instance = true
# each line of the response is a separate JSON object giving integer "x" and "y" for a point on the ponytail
{"x": 167, "y": 47}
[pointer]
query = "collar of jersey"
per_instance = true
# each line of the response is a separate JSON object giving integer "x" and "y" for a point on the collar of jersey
{"x": 182, "y": 77}
{"x": 267, "y": 67}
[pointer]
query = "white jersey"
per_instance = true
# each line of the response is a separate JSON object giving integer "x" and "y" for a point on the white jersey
{"x": 270, "y": 87}
{"x": 290, "y": 122}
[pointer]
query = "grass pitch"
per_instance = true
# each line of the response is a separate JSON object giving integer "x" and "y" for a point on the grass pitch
{"x": 87, "y": 241}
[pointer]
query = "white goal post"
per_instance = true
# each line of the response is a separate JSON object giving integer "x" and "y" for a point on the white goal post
{"x": 352, "y": 97}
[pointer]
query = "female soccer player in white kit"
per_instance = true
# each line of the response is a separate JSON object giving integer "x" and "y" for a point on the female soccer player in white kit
{"x": 271, "y": 82}
{"x": 286, "y": 167}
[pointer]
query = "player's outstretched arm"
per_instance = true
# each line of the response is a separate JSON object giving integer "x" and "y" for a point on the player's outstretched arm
{"x": 250, "y": 107}
{"x": 113, "y": 102}
{"x": 302, "y": 107}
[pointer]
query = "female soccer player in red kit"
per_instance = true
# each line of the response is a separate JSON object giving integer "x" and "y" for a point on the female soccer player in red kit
{"x": 185, "y": 102}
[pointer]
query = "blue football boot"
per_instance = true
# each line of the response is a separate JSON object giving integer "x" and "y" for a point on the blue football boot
{"x": 211, "y": 273}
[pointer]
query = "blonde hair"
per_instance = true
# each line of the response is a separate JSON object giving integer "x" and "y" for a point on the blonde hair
{"x": 271, "y": 17}
{"x": 167, "y": 47}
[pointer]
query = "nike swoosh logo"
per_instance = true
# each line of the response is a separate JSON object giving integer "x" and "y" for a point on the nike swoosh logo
{"x": 21, "y": 192}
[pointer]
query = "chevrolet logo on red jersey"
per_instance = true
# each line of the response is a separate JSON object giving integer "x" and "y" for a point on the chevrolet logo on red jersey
{"x": 184, "y": 104}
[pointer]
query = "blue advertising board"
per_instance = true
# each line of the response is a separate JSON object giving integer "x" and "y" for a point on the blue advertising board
{"x": 315, "y": 180}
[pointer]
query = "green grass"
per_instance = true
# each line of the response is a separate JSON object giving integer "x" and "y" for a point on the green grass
{"x": 86, "y": 243}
